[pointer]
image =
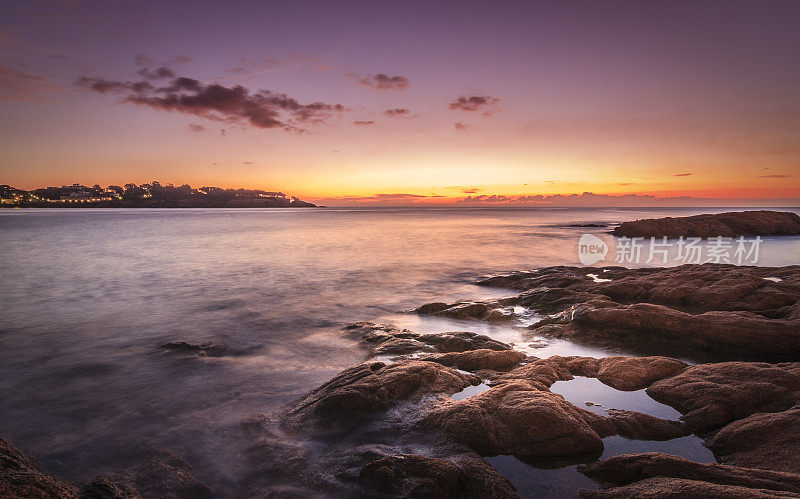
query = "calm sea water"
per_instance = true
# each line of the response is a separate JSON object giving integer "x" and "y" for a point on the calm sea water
{"x": 87, "y": 296}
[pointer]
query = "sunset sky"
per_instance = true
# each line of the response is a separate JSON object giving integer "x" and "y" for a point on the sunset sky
{"x": 375, "y": 102}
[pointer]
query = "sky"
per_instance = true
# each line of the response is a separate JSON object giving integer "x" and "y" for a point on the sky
{"x": 407, "y": 103}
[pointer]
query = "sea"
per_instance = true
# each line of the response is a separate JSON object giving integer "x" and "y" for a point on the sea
{"x": 88, "y": 297}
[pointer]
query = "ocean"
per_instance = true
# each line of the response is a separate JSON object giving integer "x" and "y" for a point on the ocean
{"x": 89, "y": 295}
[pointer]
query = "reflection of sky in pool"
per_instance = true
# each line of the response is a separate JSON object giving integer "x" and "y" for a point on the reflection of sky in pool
{"x": 581, "y": 390}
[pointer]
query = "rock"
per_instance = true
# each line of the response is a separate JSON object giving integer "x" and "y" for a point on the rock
{"x": 420, "y": 476}
{"x": 673, "y": 475}
{"x": 20, "y": 477}
{"x": 636, "y": 373}
{"x": 712, "y": 395}
{"x": 357, "y": 393}
{"x": 732, "y": 332}
{"x": 462, "y": 341}
{"x": 383, "y": 339}
{"x": 639, "y": 426}
{"x": 518, "y": 418}
{"x": 474, "y": 360}
{"x": 709, "y": 311}
{"x": 768, "y": 440}
{"x": 210, "y": 349}
{"x": 731, "y": 224}
{"x": 103, "y": 488}
{"x": 681, "y": 489}
{"x": 161, "y": 474}
{"x": 489, "y": 312}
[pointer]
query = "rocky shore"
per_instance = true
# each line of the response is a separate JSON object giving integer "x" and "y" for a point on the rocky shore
{"x": 396, "y": 424}
{"x": 732, "y": 224}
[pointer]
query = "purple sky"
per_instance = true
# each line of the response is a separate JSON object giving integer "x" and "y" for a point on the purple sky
{"x": 694, "y": 98}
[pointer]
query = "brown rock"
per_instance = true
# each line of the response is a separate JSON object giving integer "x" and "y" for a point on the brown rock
{"x": 518, "y": 418}
{"x": 474, "y": 360}
{"x": 161, "y": 474}
{"x": 636, "y": 373}
{"x": 20, "y": 477}
{"x": 678, "y": 488}
{"x": 421, "y": 476}
{"x": 673, "y": 475}
{"x": 731, "y": 224}
{"x": 356, "y": 393}
{"x": 712, "y": 395}
{"x": 462, "y": 341}
{"x": 768, "y": 440}
{"x": 636, "y": 425}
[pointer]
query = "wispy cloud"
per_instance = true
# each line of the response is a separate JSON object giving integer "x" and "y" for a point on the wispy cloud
{"x": 682, "y": 174}
{"x": 22, "y": 86}
{"x": 363, "y": 123}
{"x": 380, "y": 81}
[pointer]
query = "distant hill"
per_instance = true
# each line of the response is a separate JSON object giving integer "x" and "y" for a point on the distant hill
{"x": 152, "y": 195}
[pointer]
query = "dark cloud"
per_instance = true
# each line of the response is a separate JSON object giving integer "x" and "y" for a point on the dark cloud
{"x": 776, "y": 176}
{"x": 682, "y": 174}
{"x": 363, "y": 123}
{"x": 195, "y": 128}
{"x": 396, "y": 112}
{"x": 237, "y": 104}
{"x": 474, "y": 103}
{"x": 381, "y": 81}
{"x": 472, "y": 190}
{"x": 459, "y": 126}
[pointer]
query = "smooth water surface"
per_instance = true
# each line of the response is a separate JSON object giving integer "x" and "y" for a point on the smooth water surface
{"x": 88, "y": 295}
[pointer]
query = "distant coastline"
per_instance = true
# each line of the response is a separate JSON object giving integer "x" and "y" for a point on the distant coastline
{"x": 152, "y": 195}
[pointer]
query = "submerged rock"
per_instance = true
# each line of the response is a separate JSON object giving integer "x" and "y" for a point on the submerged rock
{"x": 731, "y": 224}
{"x": 210, "y": 349}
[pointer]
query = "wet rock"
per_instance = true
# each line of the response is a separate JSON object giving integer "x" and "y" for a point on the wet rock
{"x": 103, "y": 488}
{"x": 672, "y": 475}
{"x": 161, "y": 474}
{"x": 489, "y": 312}
{"x": 639, "y": 426}
{"x": 462, "y": 341}
{"x": 383, "y": 339}
{"x": 681, "y": 489}
{"x": 357, "y": 393}
{"x": 712, "y": 395}
{"x": 731, "y": 224}
{"x": 183, "y": 347}
{"x": 768, "y": 440}
{"x": 21, "y": 477}
{"x": 710, "y": 310}
{"x": 475, "y": 360}
{"x": 636, "y": 373}
{"x": 421, "y": 476}
{"x": 518, "y": 418}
